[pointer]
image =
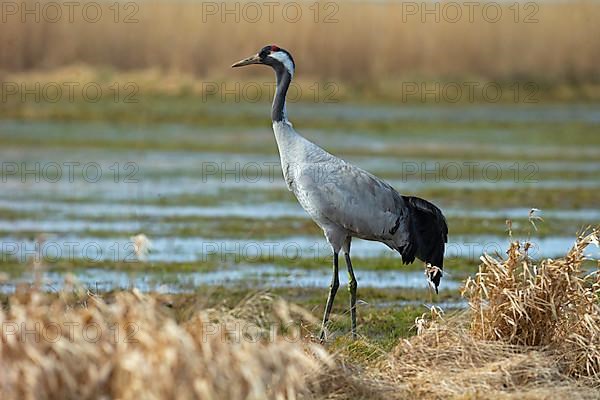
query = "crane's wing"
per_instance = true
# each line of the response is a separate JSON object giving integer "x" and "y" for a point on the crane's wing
{"x": 371, "y": 209}
{"x": 357, "y": 201}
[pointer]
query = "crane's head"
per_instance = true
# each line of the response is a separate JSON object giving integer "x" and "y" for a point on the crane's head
{"x": 273, "y": 56}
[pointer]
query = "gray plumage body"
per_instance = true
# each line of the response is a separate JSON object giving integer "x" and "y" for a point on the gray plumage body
{"x": 346, "y": 201}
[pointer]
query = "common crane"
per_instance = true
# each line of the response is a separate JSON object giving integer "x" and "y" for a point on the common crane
{"x": 346, "y": 201}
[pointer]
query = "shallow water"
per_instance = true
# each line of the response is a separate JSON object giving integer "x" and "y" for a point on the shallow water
{"x": 251, "y": 276}
{"x": 127, "y": 184}
{"x": 71, "y": 216}
{"x": 290, "y": 249}
{"x": 211, "y": 183}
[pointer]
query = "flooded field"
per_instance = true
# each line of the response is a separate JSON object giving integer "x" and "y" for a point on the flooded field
{"x": 75, "y": 193}
{"x": 246, "y": 276}
{"x": 150, "y": 248}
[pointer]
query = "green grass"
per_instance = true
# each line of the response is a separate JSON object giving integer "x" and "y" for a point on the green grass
{"x": 264, "y": 229}
{"x": 193, "y": 112}
{"x": 216, "y": 262}
{"x": 382, "y": 324}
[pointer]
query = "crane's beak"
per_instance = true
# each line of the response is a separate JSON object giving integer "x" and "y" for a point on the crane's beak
{"x": 255, "y": 59}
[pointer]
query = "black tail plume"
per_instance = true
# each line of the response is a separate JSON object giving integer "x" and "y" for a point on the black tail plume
{"x": 429, "y": 232}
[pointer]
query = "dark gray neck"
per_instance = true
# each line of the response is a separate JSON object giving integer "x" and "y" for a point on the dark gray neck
{"x": 284, "y": 78}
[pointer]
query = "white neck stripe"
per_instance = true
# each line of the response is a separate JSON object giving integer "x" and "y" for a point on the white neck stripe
{"x": 285, "y": 60}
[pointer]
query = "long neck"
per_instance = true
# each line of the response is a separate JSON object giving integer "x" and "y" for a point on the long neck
{"x": 284, "y": 78}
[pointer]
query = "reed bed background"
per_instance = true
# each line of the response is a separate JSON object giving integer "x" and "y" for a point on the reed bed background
{"x": 357, "y": 42}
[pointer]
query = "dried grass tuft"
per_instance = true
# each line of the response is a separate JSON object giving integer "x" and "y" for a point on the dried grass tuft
{"x": 446, "y": 361}
{"x": 142, "y": 353}
{"x": 553, "y": 303}
{"x": 531, "y": 332}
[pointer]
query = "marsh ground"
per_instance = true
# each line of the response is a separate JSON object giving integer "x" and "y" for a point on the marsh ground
{"x": 202, "y": 181}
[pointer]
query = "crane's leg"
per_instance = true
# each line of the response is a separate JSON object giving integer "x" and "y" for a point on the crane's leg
{"x": 352, "y": 286}
{"x": 335, "y": 284}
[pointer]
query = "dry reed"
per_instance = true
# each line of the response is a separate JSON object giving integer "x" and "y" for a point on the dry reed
{"x": 362, "y": 42}
{"x": 552, "y": 303}
{"x": 532, "y": 331}
{"x": 79, "y": 346}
